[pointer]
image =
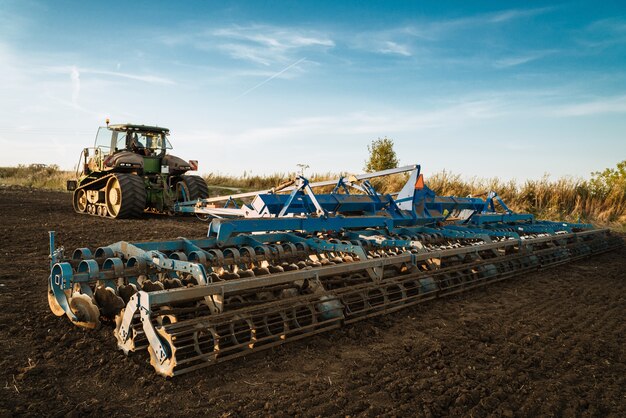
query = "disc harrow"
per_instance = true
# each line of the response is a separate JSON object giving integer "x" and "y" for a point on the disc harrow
{"x": 255, "y": 283}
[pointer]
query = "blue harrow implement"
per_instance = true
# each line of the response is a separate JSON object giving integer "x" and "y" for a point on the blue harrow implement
{"x": 289, "y": 263}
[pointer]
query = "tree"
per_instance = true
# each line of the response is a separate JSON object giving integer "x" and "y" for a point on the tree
{"x": 382, "y": 156}
{"x": 603, "y": 182}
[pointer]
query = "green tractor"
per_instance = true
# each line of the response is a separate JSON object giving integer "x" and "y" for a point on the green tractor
{"x": 128, "y": 171}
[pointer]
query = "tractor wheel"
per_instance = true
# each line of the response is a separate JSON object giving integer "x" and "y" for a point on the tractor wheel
{"x": 191, "y": 188}
{"x": 125, "y": 196}
{"x": 80, "y": 200}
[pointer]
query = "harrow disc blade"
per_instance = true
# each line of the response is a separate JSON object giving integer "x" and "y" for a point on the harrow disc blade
{"x": 87, "y": 313}
{"x": 108, "y": 301}
{"x": 52, "y": 302}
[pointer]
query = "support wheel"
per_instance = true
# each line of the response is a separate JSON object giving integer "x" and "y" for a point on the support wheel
{"x": 80, "y": 201}
{"x": 164, "y": 367}
{"x": 125, "y": 196}
{"x": 191, "y": 188}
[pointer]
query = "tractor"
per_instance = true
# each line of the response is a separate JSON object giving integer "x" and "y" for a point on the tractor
{"x": 129, "y": 171}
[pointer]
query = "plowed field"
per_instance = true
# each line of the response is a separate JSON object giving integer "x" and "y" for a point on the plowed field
{"x": 550, "y": 343}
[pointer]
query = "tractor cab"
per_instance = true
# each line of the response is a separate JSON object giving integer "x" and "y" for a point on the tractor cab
{"x": 139, "y": 149}
{"x": 128, "y": 147}
{"x": 144, "y": 140}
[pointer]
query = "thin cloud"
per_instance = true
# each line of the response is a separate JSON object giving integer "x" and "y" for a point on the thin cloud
{"x": 514, "y": 61}
{"x": 442, "y": 28}
{"x": 369, "y": 124}
{"x": 394, "y": 41}
{"x": 259, "y": 44}
{"x": 75, "y": 77}
{"x": 266, "y": 45}
{"x": 249, "y": 53}
{"x": 600, "y": 106}
{"x": 76, "y": 106}
{"x": 610, "y": 26}
{"x": 273, "y": 76}
{"x": 508, "y": 15}
{"x": 423, "y": 35}
{"x": 273, "y": 37}
{"x": 391, "y": 47}
{"x": 146, "y": 78}
{"x": 604, "y": 33}
{"x": 77, "y": 71}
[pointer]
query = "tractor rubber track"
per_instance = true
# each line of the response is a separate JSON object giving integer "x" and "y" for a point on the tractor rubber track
{"x": 197, "y": 187}
{"x": 133, "y": 196}
{"x": 94, "y": 184}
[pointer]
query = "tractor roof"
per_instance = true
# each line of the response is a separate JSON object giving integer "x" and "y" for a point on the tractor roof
{"x": 126, "y": 127}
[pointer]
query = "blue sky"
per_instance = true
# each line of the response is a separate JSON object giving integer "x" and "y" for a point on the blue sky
{"x": 507, "y": 89}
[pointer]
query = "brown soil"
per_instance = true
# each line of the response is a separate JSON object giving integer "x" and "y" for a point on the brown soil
{"x": 551, "y": 343}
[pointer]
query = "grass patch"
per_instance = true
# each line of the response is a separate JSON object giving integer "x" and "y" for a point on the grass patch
{"x": 37, "y": 176}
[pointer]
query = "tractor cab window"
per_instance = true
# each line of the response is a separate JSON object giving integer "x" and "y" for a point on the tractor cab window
{"x": 148, "y": 143}
{"x": 120, "y": 141}
{"x": 109, "y": 141}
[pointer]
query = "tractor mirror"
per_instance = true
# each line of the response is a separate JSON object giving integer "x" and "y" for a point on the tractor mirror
{"x": 71, "y": 185}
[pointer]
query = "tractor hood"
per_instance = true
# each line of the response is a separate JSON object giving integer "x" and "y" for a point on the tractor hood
{"x": 124, "y": 159}
{"x": 134, "y": 161}
{"x": 176, "y": 165}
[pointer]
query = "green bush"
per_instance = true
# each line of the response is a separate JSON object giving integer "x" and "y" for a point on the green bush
{"x": 382, "y": 155}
